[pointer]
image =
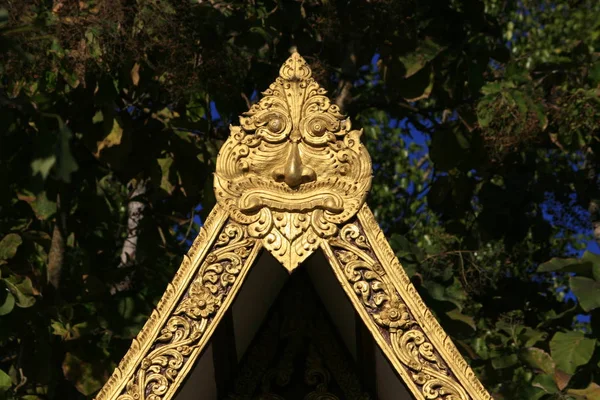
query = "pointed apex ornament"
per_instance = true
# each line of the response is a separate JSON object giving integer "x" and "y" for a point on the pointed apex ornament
{"x": 294, "y": 169}
{"x": 295, "y": 68}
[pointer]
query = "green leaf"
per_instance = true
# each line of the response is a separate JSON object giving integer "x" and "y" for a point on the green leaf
{"x": 539, "y": 359}
{"x": 98, "y": 117}
{"x": 484, "y": 113}
{"x": 167, "y": 178}
{"x": 530, "y": 336}
{"x": 8, "y": 305}
{"x": 592, "y": 392}
{"x": 68, "y": 332}
{"x": 81, "y": 373}
{"x": 436, "y": 290}
{"x": 66, "y": 162}
{"x": 594, "y": 259}
{"x": 418, "y": 86}
{"x": 3, "y": 16}
{"x": 594, "y": 73}
{"x": 59, "y": 329}
{"x": 509, "y": 327}
{"x": 546, "y": 383}
{"x": 22, "y": 289}
{"x": 587, "y": 291}
{"x": 570, "y": 350}
{"x": 540, "y": 113}
{"x": 462, "y": 140}
{"x": 54, "y": 151}
{"x": 520, "y": 101}
{"x": 126, "y": 307}
{"x": 9, "y": 245}
{"x": 456, "y": 294}
{"x": 78, "y": 330}
{"x": 5, "y": 381}
{"x": 165, "y": 115}
{"x": 481, "y": 348}
{"x": 40, "y": 204}
{"x": 113, "y": 136}
{"x": 195, "y": 110}
{"x": 43, "y": 165}
{"x": 491, "y": 88}
{"x": 458, "y": 316}
{"x": 109, "y": 142}
{"x": 414, "y": 61}
{"x": 580, "y": 267}
{"x": 403, "y": 247}
{"x": 505, "y": 361}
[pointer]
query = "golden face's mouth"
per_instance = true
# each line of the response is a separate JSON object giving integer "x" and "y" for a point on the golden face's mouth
{"x": 254, "y": 200}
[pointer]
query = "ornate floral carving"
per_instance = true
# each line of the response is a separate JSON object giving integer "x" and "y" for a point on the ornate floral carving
{"x": 183, "y": 333}
{"x": 428, "y": 325}
{"x": 200, "y": 304}
{"x": 374, "y": 290}
{"x": 294, "y": 169}
{"x": 289, "y": 177}
{"x": 394, "y": 315}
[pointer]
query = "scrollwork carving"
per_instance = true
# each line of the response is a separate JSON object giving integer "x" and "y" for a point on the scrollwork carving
{"x": 159, "y": 371}
{"x": 292, "y": 177}
{"x": 375, "y": 291}
{"x": 294, "y": 168}
{"x": 438, "y": 339}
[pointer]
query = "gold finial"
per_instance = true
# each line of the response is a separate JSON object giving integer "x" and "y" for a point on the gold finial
{"x": 295, "y": 68}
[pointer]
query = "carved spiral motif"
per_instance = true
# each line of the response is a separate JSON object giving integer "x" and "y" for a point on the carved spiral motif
{"x": 294, "y": 130}
{"x": 182, "y": 332}
{"x": 276, "y": 125}
{"x": 376, "y": 293}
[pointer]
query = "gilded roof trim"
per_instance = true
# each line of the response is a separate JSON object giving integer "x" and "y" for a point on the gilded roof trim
{"x": 292, "y": 178}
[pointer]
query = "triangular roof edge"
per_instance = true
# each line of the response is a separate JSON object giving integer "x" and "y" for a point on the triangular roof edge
{"x": 291, "y": 179}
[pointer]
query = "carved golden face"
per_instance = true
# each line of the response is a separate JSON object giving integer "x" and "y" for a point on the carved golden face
{"x": 294, "y": 169}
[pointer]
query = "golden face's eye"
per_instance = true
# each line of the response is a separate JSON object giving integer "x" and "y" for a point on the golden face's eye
{"x": 275, "y": 125}
{"x": 318, "y": 127}
{"x": 272, "y": 126}
{"x": 318, "y": 130}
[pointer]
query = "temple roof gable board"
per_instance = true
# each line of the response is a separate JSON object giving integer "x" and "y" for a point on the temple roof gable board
{"x": 292, "y": 179}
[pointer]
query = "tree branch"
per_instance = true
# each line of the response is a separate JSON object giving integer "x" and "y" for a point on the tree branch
{"x": 346, "y": 79}
{"x": 135, "y": 214}
{"x": 56, "y": 256}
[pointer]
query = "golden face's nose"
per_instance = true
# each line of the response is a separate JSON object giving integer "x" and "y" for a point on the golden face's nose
{"x": 293, "y": 172}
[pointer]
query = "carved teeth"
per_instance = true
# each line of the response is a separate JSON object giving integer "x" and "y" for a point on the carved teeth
{"x": 254, "y": 200}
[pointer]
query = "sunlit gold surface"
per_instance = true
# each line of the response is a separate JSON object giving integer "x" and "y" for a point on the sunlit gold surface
{"x": 402, "y": 325}
{"x": 292, "y": 178}
{"x": 294, "y": 169}
{"x": 187, "y": 315}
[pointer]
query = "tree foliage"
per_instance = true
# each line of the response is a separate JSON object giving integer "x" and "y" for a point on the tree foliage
{"x": 482, "y": 118}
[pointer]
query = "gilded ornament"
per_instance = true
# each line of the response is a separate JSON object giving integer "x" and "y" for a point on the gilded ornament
{"x": 177, "y": 342}
{"x": 405, "y": 340}
{"x": 292, "y": 177}
{"x": 294, "y": 169}
{"x": 200, "y": 304}
{"x": 394, "y": 315}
